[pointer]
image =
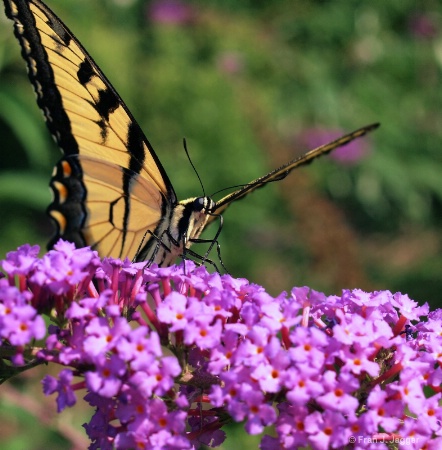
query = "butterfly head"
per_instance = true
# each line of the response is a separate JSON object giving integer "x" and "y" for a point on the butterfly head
{"x": 203, "y": 205}
{"x": 191, "y": 217}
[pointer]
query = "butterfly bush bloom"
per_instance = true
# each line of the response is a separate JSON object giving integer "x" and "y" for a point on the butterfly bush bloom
{"x": 167, "y": 356}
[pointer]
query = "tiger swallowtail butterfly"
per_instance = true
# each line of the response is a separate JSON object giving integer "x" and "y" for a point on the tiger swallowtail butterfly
{"x": 110, "y": 190}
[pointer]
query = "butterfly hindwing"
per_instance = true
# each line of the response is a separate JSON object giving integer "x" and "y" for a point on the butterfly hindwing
{"x": 98, "y": 137}
{"x": 106, "y": 205}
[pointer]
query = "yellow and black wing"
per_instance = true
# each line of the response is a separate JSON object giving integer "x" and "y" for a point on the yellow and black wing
{"x": 110, "y": 190}
{"x": 280, "y": 173}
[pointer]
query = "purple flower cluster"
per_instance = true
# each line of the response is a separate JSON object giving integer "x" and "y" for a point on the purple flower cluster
{"x": 20, "y": 323}
{"x": 168, "y": 356}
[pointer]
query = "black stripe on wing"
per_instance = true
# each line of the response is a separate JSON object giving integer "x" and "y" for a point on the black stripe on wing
{"x": 40, "y": 71}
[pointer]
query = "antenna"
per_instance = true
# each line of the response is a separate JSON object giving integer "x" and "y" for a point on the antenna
{"x": 194, "y": 168}
{"x": 230, "y": 187}
{"x": 246, "y": 185}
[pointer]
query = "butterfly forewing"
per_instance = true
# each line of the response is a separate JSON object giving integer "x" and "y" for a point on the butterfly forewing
{"x": 121, "y": 200}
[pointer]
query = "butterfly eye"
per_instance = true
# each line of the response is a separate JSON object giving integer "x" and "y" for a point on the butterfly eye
{"x": 199, "y": 204}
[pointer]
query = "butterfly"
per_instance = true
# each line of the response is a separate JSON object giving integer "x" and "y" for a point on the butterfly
{"x": 110, "y": 190}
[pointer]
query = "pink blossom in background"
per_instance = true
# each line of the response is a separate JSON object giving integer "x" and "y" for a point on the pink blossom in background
{"x": 423, "y": 26}
{"x": 173, "y": 12}
{"x": 230, "y": 62}
{"x": 349, "y": 154}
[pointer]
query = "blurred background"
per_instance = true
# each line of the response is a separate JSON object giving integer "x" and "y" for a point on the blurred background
{"x": 251, "y": 85}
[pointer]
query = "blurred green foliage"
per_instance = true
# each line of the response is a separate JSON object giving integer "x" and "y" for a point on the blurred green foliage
{"x": 243, "y": 82}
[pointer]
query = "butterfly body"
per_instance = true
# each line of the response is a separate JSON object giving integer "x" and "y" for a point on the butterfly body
{"x": 173, "y": 237}
{"x": 110, "y": 190}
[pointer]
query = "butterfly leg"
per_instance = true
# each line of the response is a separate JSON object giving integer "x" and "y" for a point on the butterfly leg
{"x": 205, "y": 258}
{"x": 173, "y": 242}
{"x": 213, "y": 242}
{"x": 200, "y": 260}
{"x": 158, "y": 245}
